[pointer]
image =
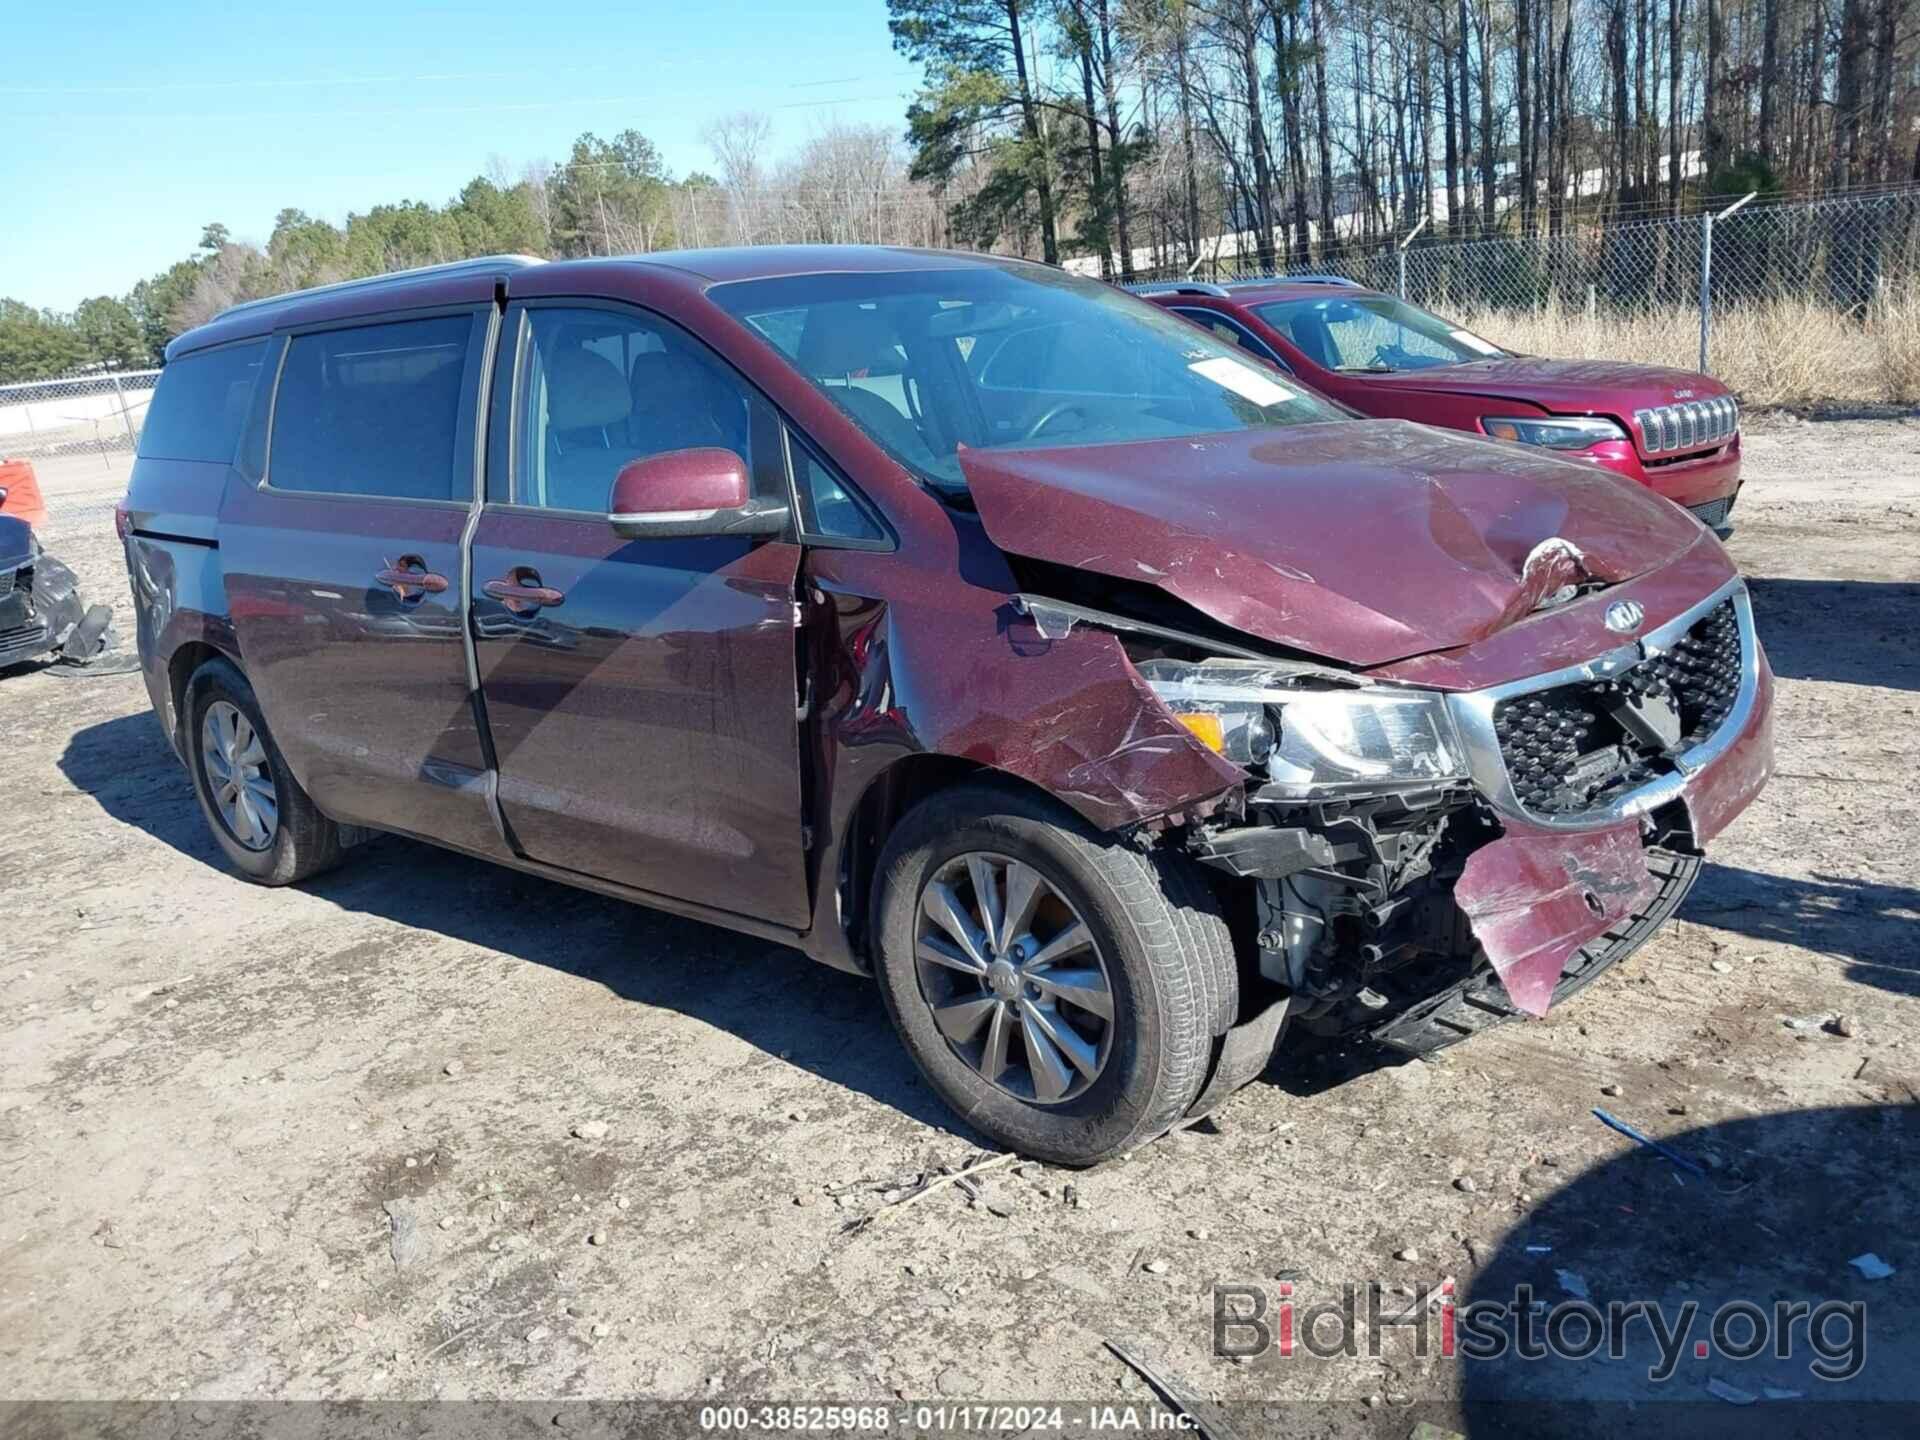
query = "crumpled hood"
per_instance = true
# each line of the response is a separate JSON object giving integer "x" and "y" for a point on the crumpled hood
{"x": 1565, "y": 387}
{"x": 1364, "y": 542}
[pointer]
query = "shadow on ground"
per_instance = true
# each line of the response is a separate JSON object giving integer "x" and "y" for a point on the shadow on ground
{"x": 1868, "y": 924}
{"x": 1859, "y": 632}
{"x": 772, "y": 997}
{"x": 1784, "y": 1203}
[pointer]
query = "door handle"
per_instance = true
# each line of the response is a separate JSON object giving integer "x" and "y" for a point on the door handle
{"x": 521, "y": 592}
{"x": 409, "y": 578}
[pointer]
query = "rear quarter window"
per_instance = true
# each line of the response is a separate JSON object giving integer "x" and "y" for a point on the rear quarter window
{"x": 200, "y": 406}
{"x": 371, "y": 410}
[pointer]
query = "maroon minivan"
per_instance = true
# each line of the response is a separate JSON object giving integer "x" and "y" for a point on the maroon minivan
{"x": 1114, "y": 701}
{"x": 1673, "y": 431}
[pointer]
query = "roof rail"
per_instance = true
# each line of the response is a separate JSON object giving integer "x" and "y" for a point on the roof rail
{"x": 481, "y": 264}
{"x": 1175, "y": 287}
{"x": 1321, "y": 280}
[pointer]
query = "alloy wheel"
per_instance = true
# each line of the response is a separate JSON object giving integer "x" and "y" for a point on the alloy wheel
{"x": 1013, "y": 978}
{"x": 238, "y": 776}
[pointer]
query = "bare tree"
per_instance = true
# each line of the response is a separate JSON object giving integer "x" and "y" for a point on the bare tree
{"x": 738, "y": 142}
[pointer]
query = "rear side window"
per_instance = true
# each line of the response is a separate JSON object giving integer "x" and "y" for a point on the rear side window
{"x": 373, "y": 410}
{"x": 200, "y": 405}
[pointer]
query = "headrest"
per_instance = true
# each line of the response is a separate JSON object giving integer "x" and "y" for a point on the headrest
{"x": 661, "y": 380}
{"x": 843, "y": 339}
{"x": 585, "y": 391}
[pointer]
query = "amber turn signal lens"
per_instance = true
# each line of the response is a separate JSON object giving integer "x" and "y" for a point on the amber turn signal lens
{"x": 1207, "y": 729}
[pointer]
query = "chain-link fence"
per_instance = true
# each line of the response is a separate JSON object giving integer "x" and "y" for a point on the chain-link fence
{"x": 75, "y": 414}
{"x": 1841, "y": 254}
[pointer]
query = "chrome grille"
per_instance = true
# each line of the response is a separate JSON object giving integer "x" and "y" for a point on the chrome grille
{"x": 1688, "y": 425}
{"x": 1566, "y": 749}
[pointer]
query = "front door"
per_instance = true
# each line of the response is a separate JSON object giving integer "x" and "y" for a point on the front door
{"x": 342, "y": 567}
{"x": 640, "y": 695}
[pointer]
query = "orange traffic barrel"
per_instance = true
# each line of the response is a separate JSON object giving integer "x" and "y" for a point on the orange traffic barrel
{"x": 20, "y": 493}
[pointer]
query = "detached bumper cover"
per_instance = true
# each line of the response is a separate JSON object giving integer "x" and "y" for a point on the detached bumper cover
{"x": 1535, "y": 899}
{"x": 1549, "y": 886}
{"x": 39, "y": 606}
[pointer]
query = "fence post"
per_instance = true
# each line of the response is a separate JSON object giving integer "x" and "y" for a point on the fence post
{"x": 120, "y": 399}
{"x": 1403, "y": 252}
{"x": 1707, "y": 217}
{"x": 1706, "y": 284}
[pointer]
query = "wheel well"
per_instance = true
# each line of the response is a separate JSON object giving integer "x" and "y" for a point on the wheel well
{"x": 180, "y": 667}
{"x": 888, "y": 797}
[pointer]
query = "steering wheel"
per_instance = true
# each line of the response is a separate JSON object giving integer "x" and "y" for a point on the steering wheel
{"x": 1051, "y": 414}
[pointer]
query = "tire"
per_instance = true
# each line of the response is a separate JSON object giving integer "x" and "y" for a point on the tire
{"x": 1158, "y": 940}
{"x": 302, "y": 842}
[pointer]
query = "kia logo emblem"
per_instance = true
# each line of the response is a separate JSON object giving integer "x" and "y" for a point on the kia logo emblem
{"x": 1624, "y": 616}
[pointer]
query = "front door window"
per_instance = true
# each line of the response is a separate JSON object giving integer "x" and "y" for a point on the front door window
{"x": 600, "y": 388}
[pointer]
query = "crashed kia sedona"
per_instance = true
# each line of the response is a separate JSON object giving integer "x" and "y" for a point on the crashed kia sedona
{"x": 1116, "y": 703}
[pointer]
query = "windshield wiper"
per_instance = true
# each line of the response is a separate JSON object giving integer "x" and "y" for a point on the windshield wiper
{"x": 1366, "y": 370}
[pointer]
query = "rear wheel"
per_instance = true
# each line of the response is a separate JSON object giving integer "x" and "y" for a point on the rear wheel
{"x": 269, "y": 829}
{"x": 1059, "y": 989}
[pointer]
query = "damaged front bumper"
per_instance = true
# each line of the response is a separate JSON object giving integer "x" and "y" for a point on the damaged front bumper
{"x": 1557, "y": 881}
{"x": 39, "y": 606}
{"x": 1422, "y": 914}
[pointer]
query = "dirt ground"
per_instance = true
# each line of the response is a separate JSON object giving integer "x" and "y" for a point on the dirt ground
{"x": 214, "y": 1098}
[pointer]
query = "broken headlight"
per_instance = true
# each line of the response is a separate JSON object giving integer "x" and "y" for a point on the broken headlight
{"x": 1311, "y": 740}
{"x": 1223, "y": 702}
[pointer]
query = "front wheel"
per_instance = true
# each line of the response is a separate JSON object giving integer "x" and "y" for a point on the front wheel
{"x": 1059, "y": 989}
{"x": 268, "y": 827}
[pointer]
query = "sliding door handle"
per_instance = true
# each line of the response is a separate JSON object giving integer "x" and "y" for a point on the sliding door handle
{"x": 409, "y": 578}
{"x": 521, "y": 592}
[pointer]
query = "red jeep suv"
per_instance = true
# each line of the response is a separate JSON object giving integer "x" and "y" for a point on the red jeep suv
{"x": 1674, "y": 431}
{"x": 1111, "y": 699}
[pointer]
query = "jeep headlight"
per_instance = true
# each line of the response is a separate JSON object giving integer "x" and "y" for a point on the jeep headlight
{"x": 1311, "y": 739}
{"x": 1559, "y": 432}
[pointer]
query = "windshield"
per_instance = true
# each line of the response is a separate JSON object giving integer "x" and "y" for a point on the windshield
{"x": 1373, "y": 334}
{"x": 1009, "y": 356}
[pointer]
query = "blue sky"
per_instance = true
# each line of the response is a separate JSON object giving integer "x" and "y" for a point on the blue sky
{"x": 128, "y": 127}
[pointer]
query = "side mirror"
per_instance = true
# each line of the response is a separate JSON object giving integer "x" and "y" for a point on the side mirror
{"x": 703, "y": 491}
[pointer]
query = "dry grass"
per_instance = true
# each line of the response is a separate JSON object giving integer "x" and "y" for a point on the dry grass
{"x": 1783, "y": 353}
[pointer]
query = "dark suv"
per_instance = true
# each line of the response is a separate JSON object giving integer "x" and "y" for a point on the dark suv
{"x": 1113, "y": 700}
{"x": 1673, "y": 431}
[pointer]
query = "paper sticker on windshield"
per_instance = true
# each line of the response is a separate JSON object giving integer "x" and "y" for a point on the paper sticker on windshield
{"x": 1242, "y": 380}
{"x": 1474, "y": 342}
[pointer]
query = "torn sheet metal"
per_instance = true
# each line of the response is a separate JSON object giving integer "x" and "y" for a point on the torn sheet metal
{"x": 1059, "y": 705}
{"x": 1570, "y": 634}
{"x": 1534, "y": 899}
